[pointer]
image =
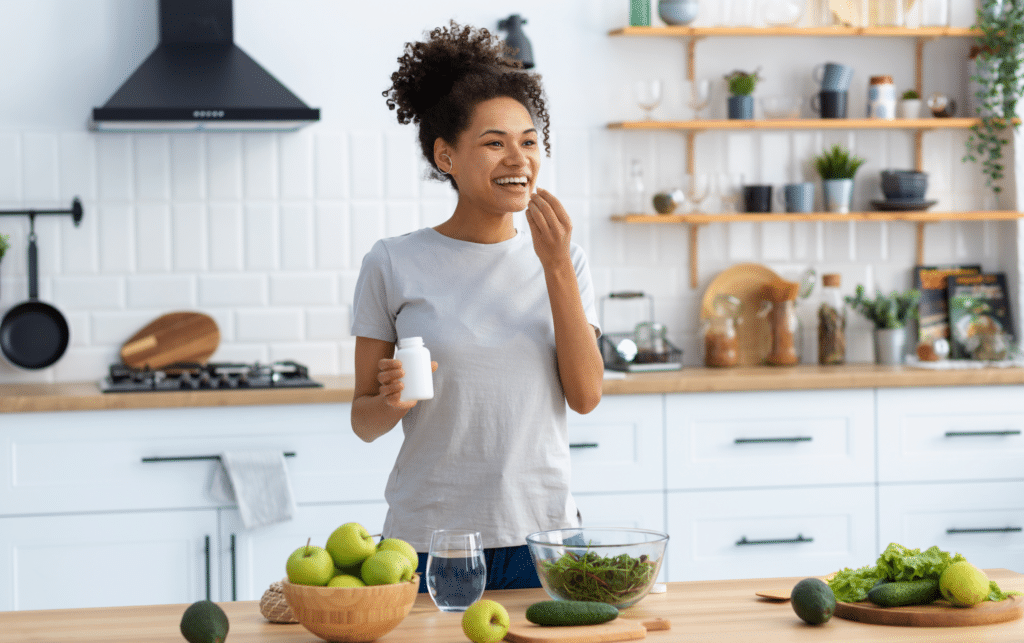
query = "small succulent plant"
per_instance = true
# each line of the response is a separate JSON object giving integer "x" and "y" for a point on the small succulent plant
{"x": 742, "y": 83}
{"x": 886, "y": 311}
{"x": 837, "y": 163}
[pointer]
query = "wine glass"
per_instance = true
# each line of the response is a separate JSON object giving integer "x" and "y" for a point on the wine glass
{"x": 648, "y": 95}
{"x": 730, "y": 190}
{"x": 700, "y": 96}
{"x": 695, "y": 186}
{"x": 456, "y": 569}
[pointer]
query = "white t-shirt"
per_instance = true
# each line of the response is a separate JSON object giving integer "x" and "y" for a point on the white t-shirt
{"x": 490, "y": 451}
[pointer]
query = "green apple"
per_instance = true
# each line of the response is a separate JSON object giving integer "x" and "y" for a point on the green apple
{"x": 402, "y": 547}
{"x": 350, "y": 544}
{"x": 386, "y": 568}
{"x": 346, "y": 580}
{"x": 485, "y": 621}
{"x": 309, "y": 565}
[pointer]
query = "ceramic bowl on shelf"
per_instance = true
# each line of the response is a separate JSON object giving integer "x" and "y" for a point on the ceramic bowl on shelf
{"x": 678, "y": 12}
{"x": 904, "y": 184}
{"x": 351, "y": 614}
{"x": 625, "y": 563}
{"x": 781, "y": 106}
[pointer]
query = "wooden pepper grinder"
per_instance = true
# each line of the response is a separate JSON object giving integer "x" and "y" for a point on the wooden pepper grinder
{"x": 785, "y": 326}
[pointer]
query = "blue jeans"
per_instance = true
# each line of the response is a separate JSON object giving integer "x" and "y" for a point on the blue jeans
{"x": 507, "y": 568}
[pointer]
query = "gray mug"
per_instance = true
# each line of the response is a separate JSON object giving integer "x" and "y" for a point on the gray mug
{"x": 833, "y": 77}
{"x": 798, "y": 197}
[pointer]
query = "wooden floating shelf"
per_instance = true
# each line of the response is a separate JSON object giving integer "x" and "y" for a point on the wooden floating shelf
{"x": 723, "y": 124}
{"x": 883, "y": 32}
{"x": 695, "y": 221}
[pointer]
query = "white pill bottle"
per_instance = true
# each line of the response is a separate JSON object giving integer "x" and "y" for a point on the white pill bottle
{"x": 418, "y": 379}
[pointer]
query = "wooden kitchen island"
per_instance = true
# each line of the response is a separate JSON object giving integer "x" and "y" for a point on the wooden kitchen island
{"x": 713, "y": 611}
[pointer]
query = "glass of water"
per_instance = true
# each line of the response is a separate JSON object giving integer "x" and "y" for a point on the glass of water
{"x": 456, "y": 570}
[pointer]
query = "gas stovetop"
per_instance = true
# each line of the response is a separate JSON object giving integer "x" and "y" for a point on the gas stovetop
{"x": 186, "y": 376}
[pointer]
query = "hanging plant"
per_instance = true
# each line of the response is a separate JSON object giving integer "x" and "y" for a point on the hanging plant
{"x": 999, "y": 69}
{"x": 5, "y": 243}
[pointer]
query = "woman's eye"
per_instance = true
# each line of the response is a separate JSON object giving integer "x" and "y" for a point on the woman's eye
{"x": 530, "y": 142}
{"x": 495, "y": 143}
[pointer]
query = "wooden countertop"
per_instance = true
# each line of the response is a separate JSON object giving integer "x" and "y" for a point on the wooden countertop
{"x": 721, "y": 611}
{"x": 86, "y": 396}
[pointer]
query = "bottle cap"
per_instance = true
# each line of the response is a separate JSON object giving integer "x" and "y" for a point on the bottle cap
{"x": 410, "y": 342}
{"x": 832, "y": 280}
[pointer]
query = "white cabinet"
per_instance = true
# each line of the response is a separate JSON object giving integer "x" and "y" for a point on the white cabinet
{"x": 951, "y": 472}
{"x": 103, "y": 559}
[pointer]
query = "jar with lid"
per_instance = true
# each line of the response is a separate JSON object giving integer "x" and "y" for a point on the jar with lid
{"x": 831, "y": 322}
{"x": 780, "y": 298}
{"x": 881, "y": 98}
{"x": 721, "y": 343}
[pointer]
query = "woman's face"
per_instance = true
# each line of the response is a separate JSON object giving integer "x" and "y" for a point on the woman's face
{"x": 496, "y": 159}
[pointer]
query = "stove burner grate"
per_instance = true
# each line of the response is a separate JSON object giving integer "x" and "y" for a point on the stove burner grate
{"x": 188, "y": 376}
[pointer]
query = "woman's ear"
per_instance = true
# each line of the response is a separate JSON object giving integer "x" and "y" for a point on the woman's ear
{"x": 443, "y": 156}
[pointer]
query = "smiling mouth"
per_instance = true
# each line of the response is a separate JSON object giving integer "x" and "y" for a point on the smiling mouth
{"x": 520, "y": 181}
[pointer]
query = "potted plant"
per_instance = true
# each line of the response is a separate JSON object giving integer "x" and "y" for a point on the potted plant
{"x": 837, "y": 166}
{"x": 996, "y": 84}
{"x": 910, "y": 104}
{"x": 5, "y": 244}
{"x": 741, "y": 86}
{"x": 889, "y": 314}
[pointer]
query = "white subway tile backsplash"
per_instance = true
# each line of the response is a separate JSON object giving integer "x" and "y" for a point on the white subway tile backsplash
{"x": 303, "y": 289}
{"x": 40, "y": 163}
{"x": 114, "y": 167}
{"x": 402, "y": 167}
{"x": 224, "y": 166}
{"x": 366, "y": 227}
{"x": 571, "y": 155}
{"x": 188, "y": 167}
{"x": 331, "y": 173}
{"x": 117, "y": 327}
{"x": 261, "y": 239}
{"x": 776, "y": 241}
{"x": 163, "y": 293}
{"x": 366, "y": 165}
{"x": 88, "y": 294}
{"x": 269, "y": 325}
{"x": 297, "y": 236}
{"x": 230, "y": 291}
{"x": 296, "y": 165}
{"x": 400, "y": 218}
{"x": 259, "y": 165}
{"x": 319, "y": 357}
{"x": 152, "y": 167}
{"x": 116, "y": 231}
{"x": 331, "y": 248}
{"x": 742, "y": 242}
{"x": 10, "y": 167}
{"x": 77, "y": 166}
{"x": 328, "y": 324}
{"x": 153, "y": 238}
{"x": 226, "y": 244}
{"x": 190, "y": 244}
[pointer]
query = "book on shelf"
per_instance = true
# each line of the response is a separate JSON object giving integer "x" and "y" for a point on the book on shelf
{"x": 933, "y": 309}
{"x": 980, "y": 325}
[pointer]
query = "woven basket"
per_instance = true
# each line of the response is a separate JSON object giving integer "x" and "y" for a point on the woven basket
{"x": 274, "y": 607}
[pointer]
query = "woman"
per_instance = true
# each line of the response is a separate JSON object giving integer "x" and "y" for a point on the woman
{"x": 509, "y": 318}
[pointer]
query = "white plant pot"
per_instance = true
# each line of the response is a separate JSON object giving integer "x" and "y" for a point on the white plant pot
{"x": 910, "y": 108}
{"x": 889, "y": 345}
{"x": 838, "y": 195}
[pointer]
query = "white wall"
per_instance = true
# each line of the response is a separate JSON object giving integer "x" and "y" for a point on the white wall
{"x": 266, "y": 231}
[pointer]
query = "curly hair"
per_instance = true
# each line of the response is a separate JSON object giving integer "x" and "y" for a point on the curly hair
{"x": 441, "y": 80}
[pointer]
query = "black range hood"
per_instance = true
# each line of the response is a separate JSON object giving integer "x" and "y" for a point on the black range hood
{"x": 198, "y": 79}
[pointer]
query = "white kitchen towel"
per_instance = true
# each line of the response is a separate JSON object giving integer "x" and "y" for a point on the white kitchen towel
{"x": 257, "y": 480}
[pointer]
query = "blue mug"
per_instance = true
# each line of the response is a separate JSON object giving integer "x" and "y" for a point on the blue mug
{"x": 833, "y": 77}
{"x": 798, "y": 197}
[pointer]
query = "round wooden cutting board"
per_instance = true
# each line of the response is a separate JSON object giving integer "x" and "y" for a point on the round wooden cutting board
{"x": 937, "y": 614}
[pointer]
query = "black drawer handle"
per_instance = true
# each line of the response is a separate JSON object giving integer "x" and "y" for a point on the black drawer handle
{"x": 234, "y": 576}
{"x": 583, "y": 445}
{"x": 986, "y": 530}
{"x": 971, "y": 434}
{"x": 191, "y": 458}
{"x": 775, "y": 541}
{"x": 207, "y": 555}
{"x": 799, "y": 438}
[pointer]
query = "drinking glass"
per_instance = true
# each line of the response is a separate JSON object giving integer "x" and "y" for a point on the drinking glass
{"x": 648, "y": 95}
{"x": 700, "y": 96}
{"x": 456, "y": 570}
{"x": 730, "y": 190}
{"x": 695, "y": 186}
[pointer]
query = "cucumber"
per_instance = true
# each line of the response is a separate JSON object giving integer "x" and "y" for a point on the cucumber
{"x": 570, "y": 613}
{"x": 907, "y": 592}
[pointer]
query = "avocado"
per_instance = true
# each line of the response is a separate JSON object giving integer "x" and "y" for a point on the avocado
{"x": 813, "y": 601}
{"x": 204, "y": 622}
{"x": 570, "y": 613}
{"x": 906, "y": 592}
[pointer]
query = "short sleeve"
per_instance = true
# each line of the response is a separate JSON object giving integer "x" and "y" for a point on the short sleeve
{"x": 586, "y": 285}
{"x": 371, "y": 313}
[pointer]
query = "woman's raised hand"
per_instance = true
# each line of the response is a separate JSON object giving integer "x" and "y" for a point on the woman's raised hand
{"x": 390, "y": 375}
{"x": 550, "y": 227}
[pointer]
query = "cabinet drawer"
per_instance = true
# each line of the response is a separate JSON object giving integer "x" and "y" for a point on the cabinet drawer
{"x": 769, "y": 533}
{"x": 959, "y": 433}
{"x": 984, "y": 521}
{"x": 730, "y": 440}
{"x": 619, "y": 445}
{"x": 93, "y": 461}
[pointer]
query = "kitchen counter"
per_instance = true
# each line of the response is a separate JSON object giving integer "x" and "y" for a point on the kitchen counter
{"x": 86, "y": 396}
{"x": 722, "y": 611}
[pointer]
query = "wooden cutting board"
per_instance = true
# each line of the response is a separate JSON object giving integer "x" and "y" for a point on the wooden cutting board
{"x": 174, "y": 337}
{"x": 747, "y": 281}
{"x": 938, "y": 614}
{"x": 620, "y": 629}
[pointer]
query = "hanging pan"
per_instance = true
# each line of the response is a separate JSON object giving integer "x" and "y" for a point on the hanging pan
{"x": 33, "y": 334}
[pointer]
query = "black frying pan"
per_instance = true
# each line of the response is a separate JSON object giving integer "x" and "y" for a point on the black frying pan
{"x": 33, "y": 334}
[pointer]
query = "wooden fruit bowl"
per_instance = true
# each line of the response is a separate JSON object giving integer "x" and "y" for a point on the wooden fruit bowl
{"x": 351, "y": 614}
